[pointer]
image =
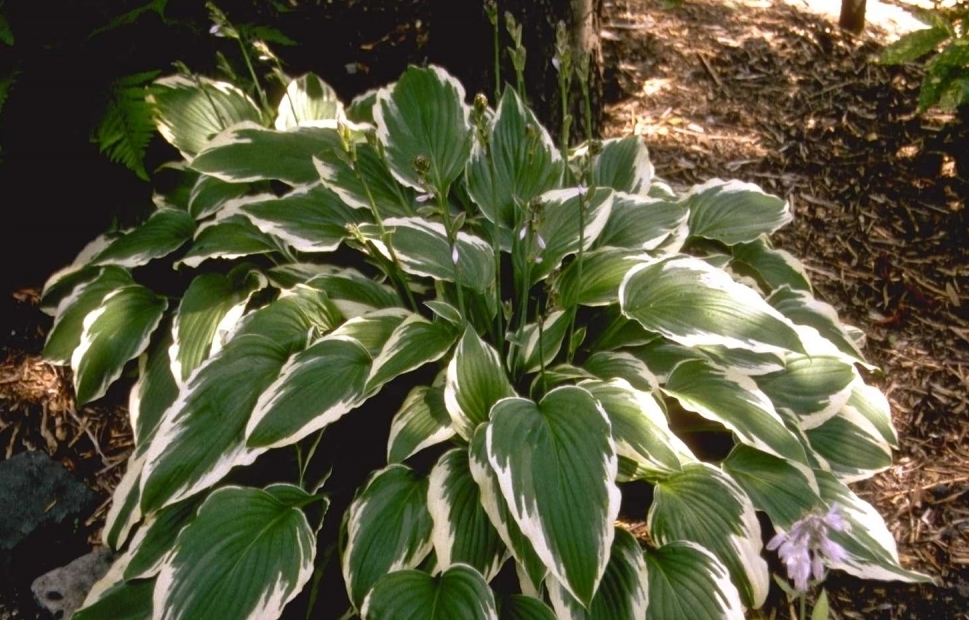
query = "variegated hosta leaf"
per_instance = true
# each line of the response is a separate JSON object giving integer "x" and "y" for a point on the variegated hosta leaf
{"x": 115, "y": 332}
{"x": 125, "y": 510}
{"x": 623, "y": 593}
{"x": 871, "y": 403}
{"x": 250, "y": 154}
{"x": 232, "y": 235}
{"x": 850, "y": 446}
{"x": 498, "y": 512}
{"x": 695, "y": 304}
{"x": 365, "y": 182}
{"x": 803, "y": 309}
{"x": 373, "y": 329}
{"x": 210, "y": 194}
{"x": 775, "y": 268}
{"x": 519, "y": 162}
{"x": 127, "y": 600}
{"x": 621, "y": 365}
{"x": 743, "y": 361}
{"x": 641, "y": 223}
{"x": 246, "y": 554}
{"x": 535, "y": 348}
{"x": 85, "y": 298}
{"x": 458, "y": 592}
{"x": 156, "y": 537}
{"x": 521, "y": 607}
{"x": 164, "y": 232}
{"x": 423, "y": 249}
{"x": 564, "y": 213}
{"x": 687, "y": 582}
{"x": 423, "y": 124}
{"x": 646, "y": 446}
{"x": 476, "y": 380}
{"x": 354, "y": 293}
{"x": 546, "y": 455}
{"x": 784, "y": 490}
{"x": 623, "y": 164}
{"x": 211, "y": 306}
{"x": 661, "y": 356}
{"x": 414, "y": 343}
{"x": 307, "y": 100}
{"x": 594, "y": 280}
{"x": 202, "y": 435}
{"x": 388, "y": 529}
{"x": 734, "y": 400}
{"x": 733, "y": 212}
{"x": 705, "y": 506}
{"x": 422, "y": 421}
{"x": 189, "y": 111}
{"x": 462, "y": 533}
{"x": 314, "y": 389}
{"x": 870, "y": 545}
{"x": 310, "y": 219}
{"x": 814, "y": 387}
{"x": 298, "y": 311}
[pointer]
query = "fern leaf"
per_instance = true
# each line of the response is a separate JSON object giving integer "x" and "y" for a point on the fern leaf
{"x": 127, "y": 126}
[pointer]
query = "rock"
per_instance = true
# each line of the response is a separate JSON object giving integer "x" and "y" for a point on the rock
{"x": 63, "y": 590}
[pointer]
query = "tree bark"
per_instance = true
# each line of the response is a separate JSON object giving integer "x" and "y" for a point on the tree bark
{"x": 852, "y": 16}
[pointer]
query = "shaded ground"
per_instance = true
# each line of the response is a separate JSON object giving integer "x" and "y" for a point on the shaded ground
{"x": 773, "y": 95}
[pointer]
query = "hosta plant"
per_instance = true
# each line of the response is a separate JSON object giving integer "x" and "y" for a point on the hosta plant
{"x": 525, "y": 335}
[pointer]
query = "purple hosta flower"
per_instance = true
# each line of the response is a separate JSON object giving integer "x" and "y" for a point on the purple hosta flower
{"x": 454, "y": 254}
{"x": 806, "y": 546}
{"x": 216, "y": 30}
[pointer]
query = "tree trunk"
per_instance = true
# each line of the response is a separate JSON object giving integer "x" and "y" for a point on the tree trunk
{"x": 461, "y": 40}
{"x": 852, "y": 16}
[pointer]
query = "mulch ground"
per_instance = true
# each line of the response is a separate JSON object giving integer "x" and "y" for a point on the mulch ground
{"x": 771, "y": 94}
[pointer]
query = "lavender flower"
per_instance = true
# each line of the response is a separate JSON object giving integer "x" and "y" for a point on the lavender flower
{"x": 806, "y": 546}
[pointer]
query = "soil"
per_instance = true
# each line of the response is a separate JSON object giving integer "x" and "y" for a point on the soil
{"x": 774, "y": 94}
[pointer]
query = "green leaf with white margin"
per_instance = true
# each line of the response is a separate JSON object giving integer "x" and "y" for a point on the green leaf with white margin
{"x": 249, "y": 154}
{"x": 521, "y": 607}
{"x": 191, "y": 110}
{"x": 310, "y": 219}
{"x": 536, "y": 348}
{"x": 209, "y": 309}
{"x": 733, "y": 399}
{"x": 307, "y": 100}
{"x": 733, "y": 211}
{"x": 164, "y": 232}
{"x": 870, "y": 546}
{"x": 127, "y": 600}
{"x": 687, "y": 582}
{"x": 647, "y": 447}
{"x": 803, "y": 309}
{"x": 458, "y": 592}
{"x": 871, "y": 403}
{"x": 564, "y": 215}
{"x": 422, "y": 421}
{"x": 813, "y": 387}
{"x": 623, "y": 593}
{"x": 501, "y": 518}
{"x": 519, "y": 163}
{"x": 695, "y": 304}
{"x": 388, "y": 529}
{"x": 545, "y": 455}
{"x": 85, "y": 298}
{"x": 210, "y": 194}
{"x": 302, "y": 309}
{"x": 662, "y": 356}
{"x": 849, "y": 446}
{"x": 623, "y": 164}
{"x": 156, "y": 538}
{"x": 353, "y": 293}
{"x": 116, "y": 332}
{"x": 621, "y": 365}
{"x": 773, "y": 267}
{"x": 786, "y": 491}
{"x": 423, "y": 249}
{"x": 594, "y": 280}
{"x": 231, "y": 235}
{"x": 423, "y": 116}
{"x": 373, "y": 329}
{"x": 743, "y": 361}
{"x": 641, "y": 223}
{"x": 202, "y": 435}
{"x": 705, "y": 506}
{"x": 414, "y": 343}
{"x": 125, "y": 510}
{"x": 365, "y": 182}
{"x": 462, "y": 532}
{"x": 317, "y": 387}
{"x": 476, "y": 380}
{"x": 247, "y": 553}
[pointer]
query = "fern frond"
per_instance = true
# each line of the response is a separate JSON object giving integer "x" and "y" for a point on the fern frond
{"x": 127, "y": 126}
